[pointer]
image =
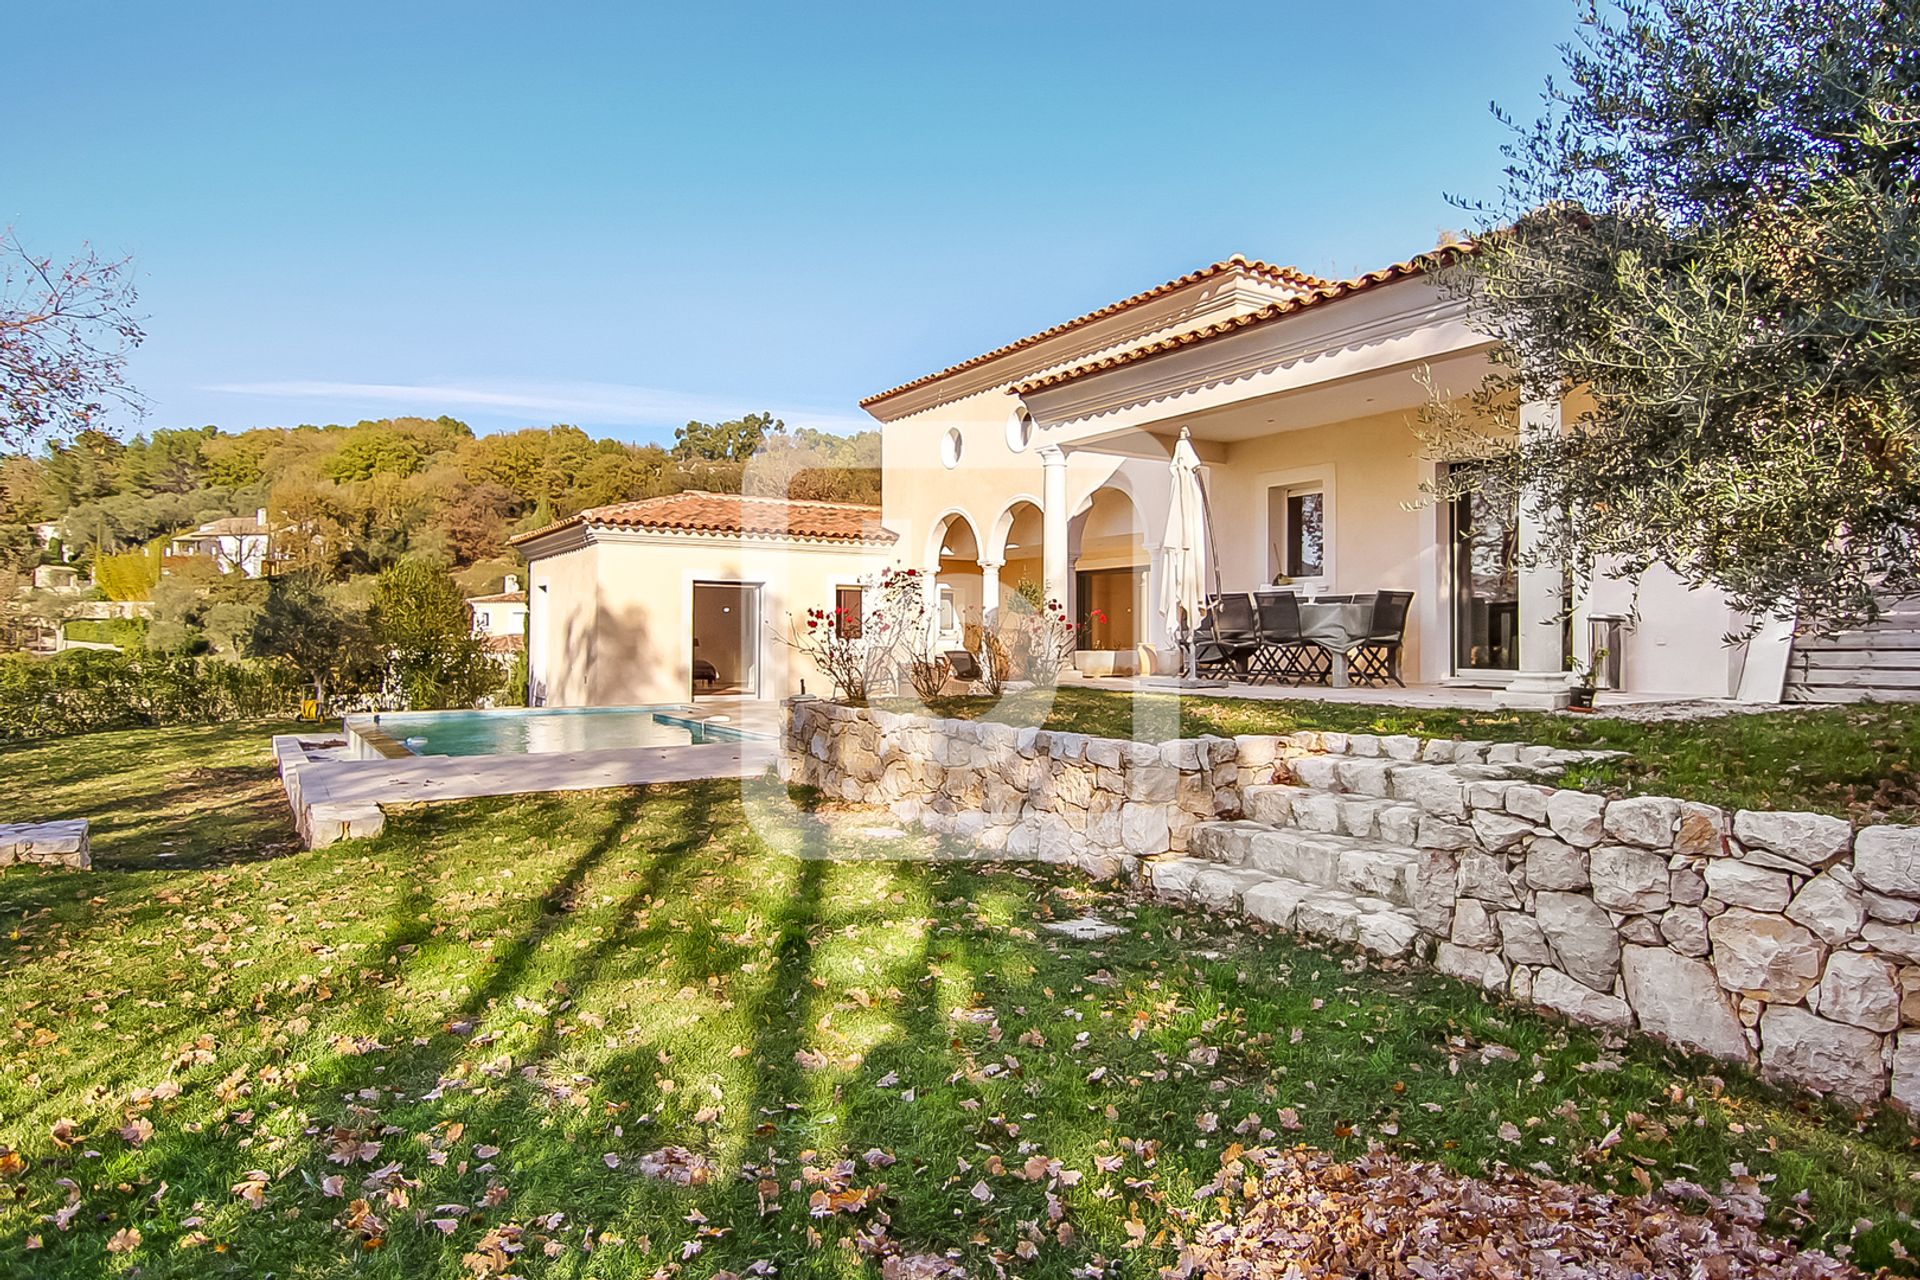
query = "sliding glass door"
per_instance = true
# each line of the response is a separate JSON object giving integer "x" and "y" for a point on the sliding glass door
{"x": 1486, "y": 584}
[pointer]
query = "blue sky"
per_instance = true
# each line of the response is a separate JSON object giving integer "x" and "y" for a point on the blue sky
{"x": 604, "y": 214}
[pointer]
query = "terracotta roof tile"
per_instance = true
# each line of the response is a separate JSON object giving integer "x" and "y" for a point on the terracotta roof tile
{"x": 503, "y": 597}
{"x": 696, "y": 511}
{"x": 1324, "y": 292}
{"x": 1278, "y": 274}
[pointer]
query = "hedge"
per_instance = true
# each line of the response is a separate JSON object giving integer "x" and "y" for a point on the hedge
{"x": 128, "y": 633}
{"x": 83, "y": 690}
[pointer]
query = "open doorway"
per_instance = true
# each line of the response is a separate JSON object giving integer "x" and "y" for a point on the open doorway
{"x": 726, "y": 639}
{"x": 1486, "y": 583}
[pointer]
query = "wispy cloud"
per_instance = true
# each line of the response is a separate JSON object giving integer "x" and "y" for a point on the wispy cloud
{"x": 597, "y": 403}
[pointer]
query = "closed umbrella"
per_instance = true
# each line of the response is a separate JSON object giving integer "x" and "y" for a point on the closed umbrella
{"x": 1184, "y": 549}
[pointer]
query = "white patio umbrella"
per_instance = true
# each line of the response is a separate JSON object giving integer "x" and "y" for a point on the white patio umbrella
{"x": 1184, "y": 549}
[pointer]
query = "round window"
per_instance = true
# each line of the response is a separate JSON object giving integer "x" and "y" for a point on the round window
{"x": 1019, "y": 430}
{"x": 950, "y": 445}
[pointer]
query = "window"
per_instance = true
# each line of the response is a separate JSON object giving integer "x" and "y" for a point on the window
{"x": 950, "y": 448}
{"x": 849, "y": 610}
{"x": 1106, "y": 600}
{"x": 1019, "y": 430}
{"x": 1297, "y": 519}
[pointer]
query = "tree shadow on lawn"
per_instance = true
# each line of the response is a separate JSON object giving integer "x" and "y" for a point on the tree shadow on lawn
{"x": 204, "y": 818}
{"x": 183, "y": 1157}
{"x": 697, "y": 898}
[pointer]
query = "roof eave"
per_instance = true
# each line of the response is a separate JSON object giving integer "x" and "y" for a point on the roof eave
{"x": 1238, "y": 263}
{"x": 1410, "y": 269}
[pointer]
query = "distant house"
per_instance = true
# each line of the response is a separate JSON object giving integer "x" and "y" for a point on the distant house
{"x": 57, "y": 577}
{"x": 500, "y": 620}
{"x": 46, "y": 533}
{"x": 234, "y": 543}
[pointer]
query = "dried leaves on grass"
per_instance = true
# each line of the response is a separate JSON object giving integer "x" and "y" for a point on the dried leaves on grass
{"x": 1302, "y": 1212}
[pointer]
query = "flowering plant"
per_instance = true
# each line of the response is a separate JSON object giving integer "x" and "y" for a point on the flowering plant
{"x": 1051, "y": 640}
{"x": 862, "y": 655}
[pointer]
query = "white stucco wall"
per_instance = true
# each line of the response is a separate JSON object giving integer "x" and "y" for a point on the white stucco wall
{"x": 1673, "y": 645}
{"x": 563, "y": 608}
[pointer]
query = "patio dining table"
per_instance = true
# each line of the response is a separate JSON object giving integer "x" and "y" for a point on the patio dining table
{"x": 1336, "y": 628}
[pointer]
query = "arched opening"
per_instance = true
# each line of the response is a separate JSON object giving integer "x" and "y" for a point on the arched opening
{"x": 1017, "y": 546}
{"x": 1110, "y": 570}
{"x": 954, "y": 556}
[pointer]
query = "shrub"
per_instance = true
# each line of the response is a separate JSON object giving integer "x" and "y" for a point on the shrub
{"x": 84, "y": 690}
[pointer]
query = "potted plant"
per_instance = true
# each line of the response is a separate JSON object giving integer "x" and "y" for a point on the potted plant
{"x": 1585, "y": 682}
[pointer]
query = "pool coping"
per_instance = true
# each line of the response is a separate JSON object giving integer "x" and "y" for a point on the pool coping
{"x": 337, "y": 797}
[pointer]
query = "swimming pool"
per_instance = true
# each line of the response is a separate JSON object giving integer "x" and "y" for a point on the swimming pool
{"x": 533, "y": 731}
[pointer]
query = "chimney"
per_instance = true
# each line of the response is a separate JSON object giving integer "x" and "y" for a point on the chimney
{"x": 261, "y": 516}
{"x": 513, "y": 583}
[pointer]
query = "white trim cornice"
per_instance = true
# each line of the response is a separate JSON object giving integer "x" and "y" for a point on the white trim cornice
{"x": 1406, "y": 323}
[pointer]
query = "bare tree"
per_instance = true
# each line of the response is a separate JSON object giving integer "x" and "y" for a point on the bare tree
{"x": 65, "y": 334}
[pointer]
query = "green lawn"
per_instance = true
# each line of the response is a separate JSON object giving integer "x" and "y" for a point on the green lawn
{"x": 1859, "y": 761}
{"x": 453, "y": 1051}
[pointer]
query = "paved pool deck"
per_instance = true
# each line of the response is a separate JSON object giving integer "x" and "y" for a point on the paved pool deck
{"x": 335, "y": 797}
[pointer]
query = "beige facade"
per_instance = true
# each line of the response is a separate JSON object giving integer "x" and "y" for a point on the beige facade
{"x": 636, "y": 616}
{"x": 1302, "y": 398}
{"x": 1042, "y": 467}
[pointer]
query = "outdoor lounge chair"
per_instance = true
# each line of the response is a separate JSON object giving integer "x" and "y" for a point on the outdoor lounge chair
{"x": 1227, "y": 637}
{"x": 963, "y": 666}
{"x": 1285, "y": 654}
{"x": 1376, "y": 659}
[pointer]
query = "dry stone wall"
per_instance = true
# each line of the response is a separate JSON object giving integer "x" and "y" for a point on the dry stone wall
{"x": 1101, "y": 804}
{"x": 1785, "y": 941}
{"x": 54, "y": 844}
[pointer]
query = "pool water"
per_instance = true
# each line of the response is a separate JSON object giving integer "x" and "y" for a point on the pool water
{"x": 530, "y": 731}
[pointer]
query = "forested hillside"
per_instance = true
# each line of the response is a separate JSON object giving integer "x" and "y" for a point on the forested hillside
{"x": 378, "y": 531}
{"x": 365, "y": 496}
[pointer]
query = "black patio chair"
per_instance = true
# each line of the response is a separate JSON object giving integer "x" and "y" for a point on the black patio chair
{"x": 1285, "y": 654}
{"x": 962, "y": 665}
{"x": 1227, "y": 637}
{"x": 1376, "y": 659}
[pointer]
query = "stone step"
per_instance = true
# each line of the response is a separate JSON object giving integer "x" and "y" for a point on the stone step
{"x": 1443, "y": 790}
{"x": 1332, "y": 812}
{"x": 1313, "y": 910}
{"x": 1332, "y": 861}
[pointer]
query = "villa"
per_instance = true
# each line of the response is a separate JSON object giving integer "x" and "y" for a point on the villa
{"x": 500, "y": 620}
{"x": 236, "y": 544}
{"x": 1046, "y": 459}
{"x": 1044, "y": 462}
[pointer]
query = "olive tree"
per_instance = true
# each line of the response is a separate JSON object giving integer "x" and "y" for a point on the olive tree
{"x": 1711, "y": 236}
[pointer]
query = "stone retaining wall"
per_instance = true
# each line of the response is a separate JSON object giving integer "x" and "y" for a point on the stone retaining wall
{"x": 55, "y": 844}
{"x": 1782, "y": 940}
{"x": 1101, "y": 804}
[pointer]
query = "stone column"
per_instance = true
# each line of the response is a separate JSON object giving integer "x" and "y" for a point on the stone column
{"x": 1053, "y": 521}
{"x": 989, "y": 587}
{"x": 1541, "y": 682}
